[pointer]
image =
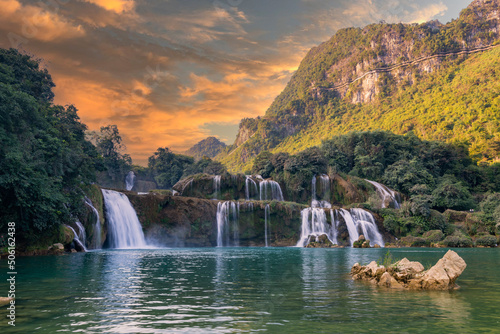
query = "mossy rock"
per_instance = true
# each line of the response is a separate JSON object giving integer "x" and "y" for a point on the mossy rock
{"x": 433, "y": 235}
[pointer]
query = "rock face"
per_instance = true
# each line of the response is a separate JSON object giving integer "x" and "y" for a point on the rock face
{"x": 406, "y": 274}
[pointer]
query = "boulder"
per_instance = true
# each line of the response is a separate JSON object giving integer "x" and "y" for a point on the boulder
{"x": 444, "y": 274}
{"x": 411, "y": 275}
{"x": 5, "y": 301}
{"x": 386, "y": 280}
{"x": 407, "y": 265}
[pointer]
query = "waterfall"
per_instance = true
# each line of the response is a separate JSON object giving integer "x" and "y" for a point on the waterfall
{"x": 249, "y": 185}
{"x": 217, "y": 182}
{"x": 270, "y": 191}
{"x": 81, "y": 233}
{"x": 351, "y": 226}
{"x": 96, "y": 240}
{"x": 334, "y": 227}
{"x": 386, "y": 194}
{"x": 368, "y": 226}
{"x": 227, "y": 219}
{"x": 314, "y": 223}
{"x": 359, "y": 219}
{"x": 325, "y": 190}
{"x": 76, "y": 239}
{"x": 313, "y": 188}
{"x": 124, "y": 228}
{"x": 129, "y": 180}
{"x": 267, "y": 217}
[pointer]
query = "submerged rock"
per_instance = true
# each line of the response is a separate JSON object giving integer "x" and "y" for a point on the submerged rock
{"x": 411, "y": 275}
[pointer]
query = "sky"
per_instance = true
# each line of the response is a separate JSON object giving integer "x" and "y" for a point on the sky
{"x": 170, "y": 73}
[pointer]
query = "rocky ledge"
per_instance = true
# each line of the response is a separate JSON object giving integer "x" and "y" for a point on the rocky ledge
{"x": 410, "y": 275}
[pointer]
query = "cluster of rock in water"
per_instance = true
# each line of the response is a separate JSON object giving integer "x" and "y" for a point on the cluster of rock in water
{"x": 406, "y": 274}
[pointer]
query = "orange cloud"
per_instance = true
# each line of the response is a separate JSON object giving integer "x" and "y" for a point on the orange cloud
{"x": 26, "y": 22}
{"x": 117, "y": 6}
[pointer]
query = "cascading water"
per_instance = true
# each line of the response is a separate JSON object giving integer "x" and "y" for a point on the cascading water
{"x": 334, "y": 227}
{"x": 249, "y": 186}
{"x": 325, "y": 191}
{"x": 359, "y": 220}
{"x": 267, "y": 217}
{"x": 365, "y": 220}
{"x": 270, "y": 191}
{"x": 351, "y": 226}
{"x": 315, "y": 224}
{"x": 129, "y": 180}
{"x": 76, "y": 238}
{"x": 227, "y": 219}
{"x": 124, "y": 228}
{"x": 81, "y": 232}
{"x": 96, "y": 240}
{"x": 386, "y": 194}
{"x": 217, "y": 181}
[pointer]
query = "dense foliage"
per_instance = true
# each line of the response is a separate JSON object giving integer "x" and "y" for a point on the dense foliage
{"x": 167, "y": 167}
{"x": 431, "y": 175}
{"x": 115, "y": 163}
{"x": 44, "y": 157}
{"x": 456, "y": 103}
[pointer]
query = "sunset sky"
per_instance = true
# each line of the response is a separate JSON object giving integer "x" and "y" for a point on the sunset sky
{"x": 170, "y": 73}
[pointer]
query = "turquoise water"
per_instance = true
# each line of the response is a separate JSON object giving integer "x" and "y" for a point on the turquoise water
{"x": 230, "y": 290}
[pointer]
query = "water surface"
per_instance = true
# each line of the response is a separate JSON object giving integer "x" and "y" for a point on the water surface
{"x": 231, "y": 290}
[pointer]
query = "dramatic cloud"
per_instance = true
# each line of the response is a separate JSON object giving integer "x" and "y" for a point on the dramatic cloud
{"x": 170, "y": 73}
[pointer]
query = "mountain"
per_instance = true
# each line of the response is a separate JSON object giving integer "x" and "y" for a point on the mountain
{"x": 439, "y": 81}
{"x": 208, "y": 147}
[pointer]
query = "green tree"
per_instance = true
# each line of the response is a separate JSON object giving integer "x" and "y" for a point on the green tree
{"x": 168, "y": 167}
{"x": 44, "y": 157}
{"x": 450, "y": 194}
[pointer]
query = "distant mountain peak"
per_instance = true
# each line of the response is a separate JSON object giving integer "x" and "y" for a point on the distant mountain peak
{"x": 208, "y": 147}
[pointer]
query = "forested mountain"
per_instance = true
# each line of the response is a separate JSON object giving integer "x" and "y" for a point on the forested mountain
{"x": 208, "y": 147}
{"x": 439, "y": 81}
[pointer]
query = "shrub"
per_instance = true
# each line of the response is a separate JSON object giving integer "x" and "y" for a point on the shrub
{"x": 457, "y": 239}
{"x": 487, "y": 241}
{"x": 433, "y": 235}
{"x": 419, "y": 242}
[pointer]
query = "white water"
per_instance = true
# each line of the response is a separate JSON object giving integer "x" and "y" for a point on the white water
{"x": 227, "y": 219}
{"x": 270, "y": 191}
{"x": 267, "y": 217}
{"x": 81, "y": 233}
{"x": 249, "y": 186}
{"x": 359, "y": 220}
{"x": 129, "y": 180}
{"x": 76, "y": 239}
{"x": 351, "y": 226}
{"x": 368, "y": 226}
{"x": 315, "y": 224}
{"x": 96, "y": 240}
{"x": 334, "y": 226}
{"x": 216, "y": 181}
{"x": 124, "y": 228}
{"x": 386, "y": 194}
{"x": 325, "y": 190}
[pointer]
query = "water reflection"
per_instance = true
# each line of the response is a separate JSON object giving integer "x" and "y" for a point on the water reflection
{"x": 242, "y": 290}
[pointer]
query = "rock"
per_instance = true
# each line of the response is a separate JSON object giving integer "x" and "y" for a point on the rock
{"x": 73, "y": 250}
{"x": 361, "y": 238}
{"x": 5, "y": 301}
{"x": 444, "y": 274}
{"x": 366, "y": 244}
{"x": 374, "y": 270}
{"x": 388, "y": 281}
{"x": 411, "y": 275}
{"x": 376, "y": 246}
{"x": 58, "y": 246}
{"x": 407, "y": 265}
